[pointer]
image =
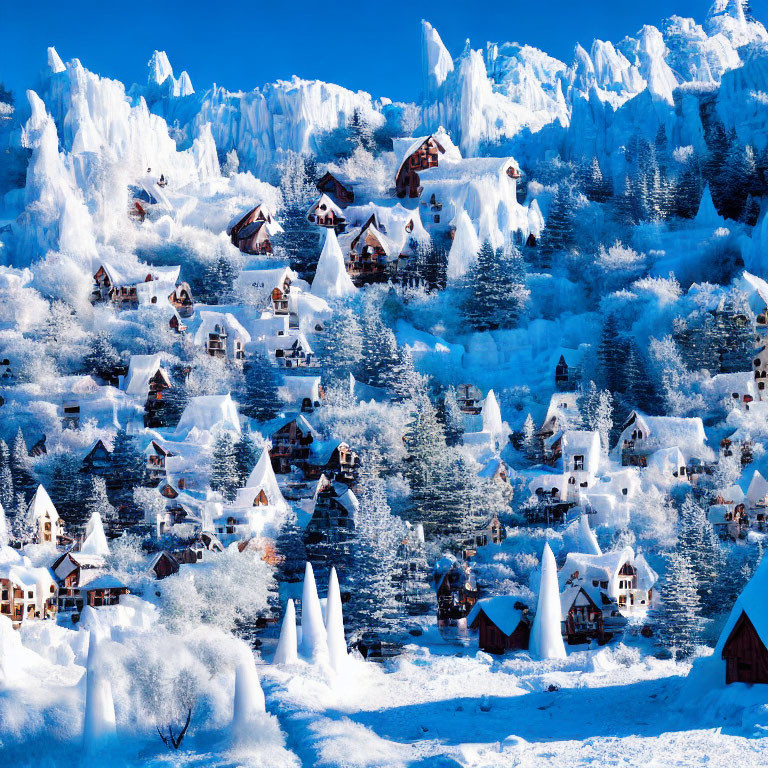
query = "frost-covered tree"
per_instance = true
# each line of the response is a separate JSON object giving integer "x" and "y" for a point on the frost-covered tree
{"x": 24, "y": 527}
{"x": 596, "y": 187}
{"x": 559, "y": 233}
{"x": 289, "y": 546}
{"x": 7, "y": 495}
{"x": 260, "y": 399}
{"x": 21, "y": 471}
{"x": 67, "y": 489}
{"x": 676, "y": 616}
{"x": 531, "y": 443}
{"x": 700, "y": 545}
{"x": 97, "y": 501}
{"x": 225, "y": 475}
{"x": 689, "y": 187}
{"x": 496, "y": 295}
{"x": 102, "y": 359}
{"x": 451, "y": 416}
{"x": 673, "y": 377}
{"x": 380, "y": 356}
{"x": 5, "y": 533}
{"x": 604, "y": 419}
{"x": 361, "y": 131}
{"x": 610, "y": 353}
{"x": 246, "y": 456}
{"x": 127, "y": 469}
{"x": 340, "y": 346}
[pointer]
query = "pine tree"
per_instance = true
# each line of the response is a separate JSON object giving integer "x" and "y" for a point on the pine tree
{"x": 245, "y": 457}
{"x": 638, "y": 389}
{"x": 604, "y": 419}
{"x": 260, "y": 401}
{"x": 594, "y": 184}
{"x": 97, "y": 501}
{"x": 102, "y": 359}
{"x": 177, "y": 397}
{"x": 23, "y": 479}
{"x": 290, "y": 548}
{"x": 452, "y": 417}
{"x": 699, "y": 544}
{"x": 559, "y": 234}
{"x": 361, "y": 131}
{"x": 225, "y": 476}
{"x": 128, "y": 470}
{"x": 24, "y": 529}
{"x": 7, "y": 495}
{"x": 340, "y": 346}
{"x": 380, "y": 356}
{"x": 688, "y": 190}
{"x": 676, "y": 616}
{"x": 531, "y": 444}
{"x": 611, "y": 355}
{"x": 5, "y": 533}
{"x": 67, "y": 490}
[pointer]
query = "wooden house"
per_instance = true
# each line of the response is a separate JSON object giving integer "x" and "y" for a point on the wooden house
{"x": 581, "y": 617}
{"x": 163, "y": 564}
{"x": 26, "y": 592}
{"x": 325, "y": 213}
{"x": 181, "y": 300}
{"x": 456, "y": 592}
{"x": 334, "y": 459}
{"x": 295, "y": 352}
{"x": 420, "y": 154}
{"x": 50, "y": 527}
{"x": 369, "y": 255}
{"x": 333, "y": 519}
{"x": 745, "y": 654}
{"x": 98, "y": 460}
{"x": 502, "y": 622}
{"x": 251, "y": 231}
{"x": 72, "y": 570}
{"x": 221, "y": 335}
{"x": 492, "y": 532}
{"x": 339, "y": 191}
{"x": 142, "y": 285}
{"x": 156, "y": 455}
{"x": 103, "y": 590}
{"x": 470, "y": 399}
{"x": 291, "y": 443}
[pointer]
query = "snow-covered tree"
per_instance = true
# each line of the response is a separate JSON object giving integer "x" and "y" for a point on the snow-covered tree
{"x": 21, "y": 471}
{"x": 225, "y": 476}
{"x": 340, "y": 346}
{"x": 559, "y": 233}
{"x": 67, "y": 489}
{"x": 531, "y": 444}
{"x": 5, "y": 534}
{"x": 24, "y": 529}
{"x": 102, "y": 359}
{"x": 604, "y": 419}
{"x": 452, "y": 417}
{"x": 676, "y": 616}
{"x": 7, "y": 495}
{"x": 260, "y": 400}
{"x": 127, "y": 469}
{"x": 97, "y": 502}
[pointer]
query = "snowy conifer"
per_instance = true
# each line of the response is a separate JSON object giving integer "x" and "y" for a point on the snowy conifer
{"x": 260, "y": 400}
{"x": 225, "y": 475}
{"x": 340, "y": 346}
{"x": 676, "y": 617}
{"x": 7, "y": 495}
{"x": 97, "y": 502}
{"x": 102, "y": 360}
{"x": 531, "y": 444}
{"x": 68, "y": 490}
{"x": 23, "y": 479}
{"x": 5, "y": 534}
{"x": 452, "y": 417}
{"x": 127, "y": 469}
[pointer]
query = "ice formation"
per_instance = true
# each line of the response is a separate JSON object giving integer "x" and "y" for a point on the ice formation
{"x": 287, "y": 646}
{"x": 334, "y": 622}
{"x": 546, "y": 641}
{"x": 314, "y": 646}
{"x": 331, "y": 278}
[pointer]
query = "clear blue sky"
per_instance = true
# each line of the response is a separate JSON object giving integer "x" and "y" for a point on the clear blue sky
{"x": 364, "y": 45}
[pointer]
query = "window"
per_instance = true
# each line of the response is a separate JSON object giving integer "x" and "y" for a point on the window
{"x": 578, "y": 463}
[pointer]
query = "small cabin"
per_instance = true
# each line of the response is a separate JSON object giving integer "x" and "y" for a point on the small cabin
{"x": 336, "y": 460}
{"x": 103, "y": 590}
{"x": 341, "y": 193}
{"x": 181, "y": 300}
{"x": 333, "y": 517}
{"x": 251, "y": 232}
{"x": 291, "y": 443}
{"x": 325, "y": 213}
{"x": 156, "y": 457}
{"x": 163, "y": 564}
{"x": 581, "y": 618}
{"x": 425, "y": 154}
{"x": 456, "y": 592}
{"x": 745, "y": 654}
{"x": 492, "y": 532}
{"x": 470, "y": 399}
{"x": 369, "y": 255}
{"x": 296, "y": 353}
{"x": 502, "y": 623}
{"x": 98, "y": 460}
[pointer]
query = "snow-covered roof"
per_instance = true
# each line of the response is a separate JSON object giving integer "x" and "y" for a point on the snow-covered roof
{"x": 262, "y": 478}
{"x": 606, "y": 567}
{"x": 667, "y": 461}
{"x": 353, "y": 239}
{"x": 266, "y": 278}
{"x": 209, "y": 412}
{"x": 40, "y": 505}
{"x": 581, "y": 442}
{"x": 272, "y": 226}
{"x": 757, "y": 492}
{"x": 391, "y": 220}
{"x": 331, "y": 279}
{"x": 105, "y": 581}
{"x": 465, "y": 170}
{"x": 563, "y": 409}
{"x": 210, "y": 320}
{"x": 325, "y": 203}
{"x": 569, "y": 596}
{"x": 500, "y": 610}
{"x": 685, "y": 433}
{"x": 730, "y": 384}
{"x": 295, "y": 389}
{"x": 404, "y": 148}
{"x": 95, "y": 542}
{"x": 141, "y": 369}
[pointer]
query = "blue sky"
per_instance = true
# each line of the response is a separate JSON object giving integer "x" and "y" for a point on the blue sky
{"x": 363, "y": 45}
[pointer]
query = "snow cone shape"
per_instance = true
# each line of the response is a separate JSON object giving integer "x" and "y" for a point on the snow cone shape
{"x": 314, "y": 646}
{"x": 492, "y": 415}
{"x": 464, "y": 248}
{"x": 99, "y": 721}
{"x": 287, "y": 649}
{"x": 546, "y": 640}
{"x": 587, "y": 539}
{"x": 331, "y": 278}
{"x": 249, "y": 697}
{"x": 334, "y": 624}
{"x": 96, "y": 541}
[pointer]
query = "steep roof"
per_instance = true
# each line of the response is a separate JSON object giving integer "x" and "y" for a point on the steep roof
{"x": 208, "y": 412}
{"x": 325, "y": 200}
{"x": 295, "y": 388}
{"x": 40, "y": 505}
{"x": 500, "y": 610}
{"x": 141, "y": 369}
{"x": 262, "y": 477}
{"x": 683, "y": 432}
{"x": 209, "y": 320}
{"x": 95, "y": 542}
{"x": 404, "y": 148}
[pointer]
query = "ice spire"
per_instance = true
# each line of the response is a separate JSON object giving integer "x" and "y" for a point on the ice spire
{"x": 492, "y": 415}
{"x": 99, "y": 721}
{"x": 331, "y": 278}
{"x": 464, "y": 247}
{"x": 436, "y": 62}
{"x": 546, "y": 639}
{"x": 55, "y": 64}
{"x": 286, "y": 652}
{"x": 587, "y": 539}
{"x": 314, "y": 646}
{"x": 707, "y": 214}
{"x": 96, "y": 541}
{"x": 334, "y": 624}
{"x": 249, "y": 697}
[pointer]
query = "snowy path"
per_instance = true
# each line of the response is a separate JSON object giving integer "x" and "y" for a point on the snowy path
{"x": 467, "y": 711}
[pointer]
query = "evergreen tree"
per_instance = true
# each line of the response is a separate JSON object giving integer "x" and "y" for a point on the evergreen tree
{"x": 559, "y": 234}
{"x": 225, "y": 475}
{"x": 7, "y": 495}
{"x": 496, "y": 292}
{"x": 452, "y": 417}
{"x": 380, "y": 356}
{"x": 177, "y": 397}
{"x": 638, "y": 389}
{"x": 290, "y": 548}
{"x": 127, "y": 470}
{"x": 676, "y": 616}
{"x": 67, "y": 491}
{"x": 245, "y": 457}
{"x": 604, "y": 419}
{"x": 340, "y": 346}
{"x": 21, "y": 472}
{"x": 531, "y": 443}
{"x": 5, "y": 533}
{"x": 689, "y": 188}
{"x": 260, "y": 401}
{"x": 361, "y": 131}
{"x": 24, "y": 529}
{"x": 218, "y": 278}
{"x": 610, "y": 353}
{"x": 97, "y": 501}
{"x": 595, "y": 186}
{"x": 102, "y": 359}
{"x": 698, "y": 542}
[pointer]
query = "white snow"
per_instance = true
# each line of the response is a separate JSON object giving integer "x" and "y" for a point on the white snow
{"x": 287, "y": 645}
{"x": 314, "y": 645}
{"x": 331, "y": 278}
{"x": 546, "y": 642}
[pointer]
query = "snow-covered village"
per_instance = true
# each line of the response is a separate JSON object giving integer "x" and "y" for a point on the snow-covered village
{"x": 337, "y": 430}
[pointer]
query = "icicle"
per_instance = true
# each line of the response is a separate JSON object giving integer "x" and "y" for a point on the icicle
{"x": 546, "y": 637}
{"x": 334, "y": 624}
{"x": 99, "y": 721}
{"x": 249, "y": 697}
{"x": 587, "y": 538}
{"x": 313, "y": 643}
{"x": 287, "y": 652}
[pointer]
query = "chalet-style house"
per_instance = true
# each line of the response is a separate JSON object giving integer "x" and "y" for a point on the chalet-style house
{"x": 271, "y": 289}
{"x": 73, "y": 570}
{"x": 291, "y": 443}
{"x": 492, "y": 532}
{"x": 50, "y": 527}
{"x": 456, "y": 592}
{"x": 502, "y": 622}
{"x": 578, "y": 452}
{"x": 221, "y": 335}
{"x": 181, "y": 300}
{"x": 162, "y": 565}
{"x": 581, "y": 617}
{"x": 197, "y": 551}
{"x": 302, "y": 393}
{"x": 148, "y": 380}
{"x": 156, "y": 455}
{"x": 295, "y": 352}
{"x": 98, "y": 460}
{"x": 26, "y": 591}
{"x": 251, "y": 231}
{"x": 470, "y": 399}
{"x": 144, "y": 285}
{"x": 562, "y": 414}
{"x": 624, "y": 577}
{"x": 334, "y": 459}
{"x": 369, "y": 255}
{"x": 325, "y": 213}
{"x": 339, "y": 190}
{"x": 418, "y": 155}
{"x": 642, "y": 436}
{"x": 333, "y": 520}
{"x": 103, "y": 590}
